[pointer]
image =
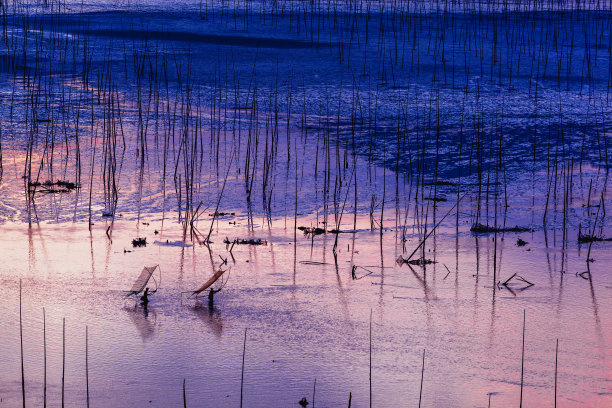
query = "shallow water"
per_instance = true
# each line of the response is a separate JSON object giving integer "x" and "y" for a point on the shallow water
{"x": 163, "y": 116}
{"x": 304, "y": 321}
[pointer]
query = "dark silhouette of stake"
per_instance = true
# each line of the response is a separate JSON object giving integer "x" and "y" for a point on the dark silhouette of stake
{"x": 370, "y": 358}
{"x": 434, "y": 228}
{"x": 87, "y": 363}
{"x": 63, "y": 357}
{"x": 21, "y": 342}
{"x": 422, "y": 374}
{"x": 593, "y": 231}
{"x": 522, "y": 361}
{"x": 44, "y": 359}
{"x": 184, "y": 395}
{"x": 242, "y": 375}
{"x": 556, "y": 360}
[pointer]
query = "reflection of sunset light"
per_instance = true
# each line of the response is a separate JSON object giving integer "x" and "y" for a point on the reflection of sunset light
{"x": 473, "y": 345}
{"x": 391, "y": 200}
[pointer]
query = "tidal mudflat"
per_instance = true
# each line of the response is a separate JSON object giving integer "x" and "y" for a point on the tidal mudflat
{"x": 405, "y": 202}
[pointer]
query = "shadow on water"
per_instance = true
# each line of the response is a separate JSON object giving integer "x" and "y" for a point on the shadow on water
{"x": 210, "y": 315}
{"x": 144, "y": 319}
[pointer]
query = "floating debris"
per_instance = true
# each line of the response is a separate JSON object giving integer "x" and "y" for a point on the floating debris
{"x": 487, "y": 229}
{"x": 446, "y": 276}
{"x": 312, "y": 230}
{"x": 221, "y": 214}
{"x": 421, "y": 262}
{"x": 517, "y": 277}
{"x": 319, "y": 231}
{"x": 508, "y": 284}
{"x": 586, "y": 275}
{"x": 354, "y": 274}
{"x": 440, "y": 183}
{"x": 50, "y": 187}
{"x": 520, "y": 242}
{"x": 139, "y": 242}
{"x": 303, "y": 402}
{"x": 314, "y": 263}
{"x": 586, "y": 238}
{"x": 250, "y": 241}
{"x": 418, "y": 262}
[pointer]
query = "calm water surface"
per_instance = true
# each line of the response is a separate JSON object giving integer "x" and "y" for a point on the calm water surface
{"x": 357, "y": 120}
{"x": 305, "y": 317}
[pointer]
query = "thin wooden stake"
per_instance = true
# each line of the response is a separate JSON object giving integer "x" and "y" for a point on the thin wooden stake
{"x": 44, "y": 359}
{"x": 370, "y": 358}
{"x": 184, "y": 395}
{"x": 522, "y": 361}
{"x": 242, "y": 375}
{"x": 314, "y": 390}
{"x": 422, "y": 374}
{"x": 21, "y": 342}
{"x": 87, "y": 363}
{"x": 63, "y": 357}
{"x": 434, "y": 228}
{"x": 556, "y": 360}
